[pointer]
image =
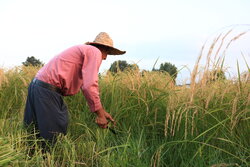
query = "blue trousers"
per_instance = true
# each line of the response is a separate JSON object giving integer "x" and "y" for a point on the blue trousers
{"x": 47, "y": 111}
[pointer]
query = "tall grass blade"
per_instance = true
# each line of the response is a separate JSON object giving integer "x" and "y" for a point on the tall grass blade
{"x": 239, "y": 77}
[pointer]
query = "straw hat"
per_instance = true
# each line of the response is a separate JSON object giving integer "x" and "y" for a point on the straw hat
{"x": 103, "y": 39}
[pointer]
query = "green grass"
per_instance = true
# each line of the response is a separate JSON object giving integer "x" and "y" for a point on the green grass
{"x": 157, "y": 124}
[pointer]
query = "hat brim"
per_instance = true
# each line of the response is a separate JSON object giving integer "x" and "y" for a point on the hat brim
{"x": 111, "y": 50}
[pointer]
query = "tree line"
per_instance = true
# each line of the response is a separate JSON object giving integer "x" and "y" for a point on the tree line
{"x": 122, "y": 65}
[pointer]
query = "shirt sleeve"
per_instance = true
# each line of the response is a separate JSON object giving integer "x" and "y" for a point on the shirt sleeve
{"x": 90, "y": 88}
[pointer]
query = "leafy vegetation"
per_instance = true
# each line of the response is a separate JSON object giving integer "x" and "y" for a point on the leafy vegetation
{"x": 32, "y": 61}
{"x": 122, "y": 65}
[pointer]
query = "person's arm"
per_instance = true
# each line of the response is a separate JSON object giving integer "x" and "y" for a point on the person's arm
{"x": 90, "y": 88}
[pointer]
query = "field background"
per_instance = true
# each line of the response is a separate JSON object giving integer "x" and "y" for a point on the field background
{"x": 158, "y": 123}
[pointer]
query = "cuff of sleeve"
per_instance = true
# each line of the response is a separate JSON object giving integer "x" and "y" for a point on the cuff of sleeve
{"x": 96, "y": 107}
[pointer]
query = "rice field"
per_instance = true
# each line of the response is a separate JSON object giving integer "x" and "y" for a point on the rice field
{"x": 158, "y": 123}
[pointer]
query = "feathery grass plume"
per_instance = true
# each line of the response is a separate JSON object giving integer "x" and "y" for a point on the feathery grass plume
{"x": 222, "y": 43}
{"x": 210, "y": 51}
{"x": 214, "y": 58}
{"x": 3, "y": 78}
{"x": 194, "y": 75}
{"x": 234, "y": 39}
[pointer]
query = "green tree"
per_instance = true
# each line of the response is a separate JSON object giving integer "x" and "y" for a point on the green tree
{"x": 169, "y": 68}
{"x": 32, "y": 61}
{"x": 122, "y": 65}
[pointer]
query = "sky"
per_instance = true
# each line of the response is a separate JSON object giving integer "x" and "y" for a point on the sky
{"x": 152, "y": 32}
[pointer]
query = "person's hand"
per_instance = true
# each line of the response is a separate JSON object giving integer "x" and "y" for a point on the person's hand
{"x": 103, "y": 118}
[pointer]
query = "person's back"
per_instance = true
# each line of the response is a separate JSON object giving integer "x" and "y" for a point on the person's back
{"x": 65, "y": 70}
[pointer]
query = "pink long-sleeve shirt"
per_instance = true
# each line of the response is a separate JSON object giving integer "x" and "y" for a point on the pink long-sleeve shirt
{"x": 74, "y": 69}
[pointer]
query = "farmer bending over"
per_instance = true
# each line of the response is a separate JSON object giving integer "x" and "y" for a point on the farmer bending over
{"x": 74, "y": 69}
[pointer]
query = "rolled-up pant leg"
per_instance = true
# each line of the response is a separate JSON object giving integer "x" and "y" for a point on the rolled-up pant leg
{"x": 47, "y": 110}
